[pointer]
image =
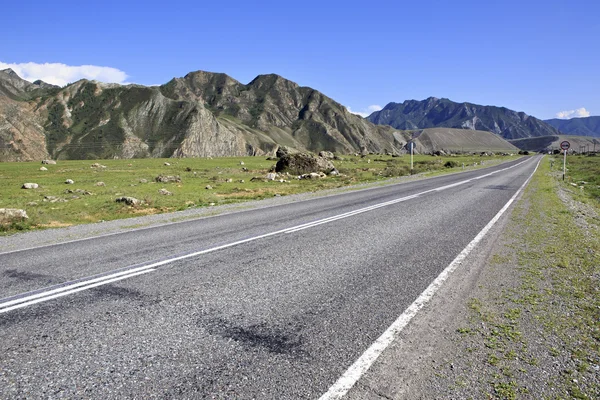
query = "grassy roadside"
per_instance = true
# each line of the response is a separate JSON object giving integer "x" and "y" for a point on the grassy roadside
{"x": 533, "y": 330}
{"x": 203, "y": 182}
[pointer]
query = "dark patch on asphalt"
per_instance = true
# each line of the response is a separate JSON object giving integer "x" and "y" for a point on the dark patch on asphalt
{"x": 499, "y": 187}
{"x": 271, "y": 339}
{"x": 117, "y": 291}
{"x": 26, "y": 276}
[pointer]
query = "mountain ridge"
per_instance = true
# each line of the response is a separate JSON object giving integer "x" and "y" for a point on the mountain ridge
{"x": 435, "y": 112}
{"x": 582, "y": 126}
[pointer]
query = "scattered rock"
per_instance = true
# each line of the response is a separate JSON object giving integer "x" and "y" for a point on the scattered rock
{"x": 10, "y": 215}
{"x": 32, "y": 203}
{"x": 69, "y": 181}
{"x": 49, "y": 162}
{"x": 188, "y": 169}
{"x": 271, "y": 176}
{"x": 168, "y": 178}
{"x": 54, "y": 199}
{"x": 242, "y": 181}
{"x": 167, "y": 164}
{"x": 165, "y": 192}
{"x": 241, "y": 163}
{"x": 229, "y": 180}
{"x": 313, "y": 175}
{"x": 130, "y": 201}
{"x": 334, "y": 172}
{"x": 43, "y": 169}
{"x": 96, "y": 165}
{"x": 245, "y": 169}
{"x": 303, "y": 163}
{"x": 100, "y": 184}
{"x": 326, "y": 154}
{"x": 258, "y": 179}
{"x": 83, "y": 192}
{"x": 143, "y": 180}
{"x": 30, "y": 186}
{"x": 208, "y": 187}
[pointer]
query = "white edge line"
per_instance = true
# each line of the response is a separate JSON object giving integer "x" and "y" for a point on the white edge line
{"x": 366, "y": 360}
{"x": 40, "y": 300}
{"x": 195, "y": 218}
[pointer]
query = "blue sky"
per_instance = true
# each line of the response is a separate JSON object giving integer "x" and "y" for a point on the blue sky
{"x": 540, "y": 57}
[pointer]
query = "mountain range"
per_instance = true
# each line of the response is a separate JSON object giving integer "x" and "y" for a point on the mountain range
{"x": 586, "y": 126}
{"x": 434, "y": 112}
{"x": 201, "y": 114}
{"x": 211, "y": 114}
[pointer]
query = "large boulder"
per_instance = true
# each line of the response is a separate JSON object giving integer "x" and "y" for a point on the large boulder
{"x": 303, "y": 163}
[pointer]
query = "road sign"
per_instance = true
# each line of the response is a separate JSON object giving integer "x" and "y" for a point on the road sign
{"x": 565, "y": 146}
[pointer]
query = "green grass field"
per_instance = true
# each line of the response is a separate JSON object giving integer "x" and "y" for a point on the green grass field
{"x": 57, "y": 204}
{"x": 584, "y": 169}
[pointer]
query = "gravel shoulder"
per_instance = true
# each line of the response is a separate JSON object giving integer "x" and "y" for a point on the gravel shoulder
{"x": 519, "y": 319}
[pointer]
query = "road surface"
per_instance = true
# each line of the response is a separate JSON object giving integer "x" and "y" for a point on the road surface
{"x": 272, "y": 303}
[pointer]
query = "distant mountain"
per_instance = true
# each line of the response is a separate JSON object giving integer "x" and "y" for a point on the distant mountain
{"x": 552, "y": 143}
{"x": 587, "y": 126}
{"x": 201, "y": 114}
{"x": 434, "y": 112}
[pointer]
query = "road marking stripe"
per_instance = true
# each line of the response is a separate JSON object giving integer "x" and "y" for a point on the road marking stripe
{"x": 89, "y": 283}
{"x": 79, "y": 289}
{"x": 341, "y": 387}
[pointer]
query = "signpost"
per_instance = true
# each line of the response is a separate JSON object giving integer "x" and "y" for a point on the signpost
{"x": 564, "y": 145}
{"x": 411, "y": 147}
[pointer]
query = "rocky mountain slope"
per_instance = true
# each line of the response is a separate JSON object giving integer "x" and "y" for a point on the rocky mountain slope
{"x": 201, "y": 114}
{"x": 452, "y": 140}
{"x": 588, "y": 126}
{"x": 434, "y": 112}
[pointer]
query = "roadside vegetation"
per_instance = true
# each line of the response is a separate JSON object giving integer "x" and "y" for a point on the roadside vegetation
{"x": 533, "y": 326}
{"x": 584, "y": 172}
{"x": 203, "y": 182}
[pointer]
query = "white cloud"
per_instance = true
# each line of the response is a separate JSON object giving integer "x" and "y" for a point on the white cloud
{"x": 580, "y": 112}
{"x": 61, "y": 74}
{"x": 367, "y": 111}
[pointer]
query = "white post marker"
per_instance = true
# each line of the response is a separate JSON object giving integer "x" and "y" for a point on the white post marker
{"x": 411, "y": 146}
{"x": 564, "y": 145}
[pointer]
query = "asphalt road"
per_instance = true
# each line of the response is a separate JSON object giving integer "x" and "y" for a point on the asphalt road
{"x": 273, "y": 303}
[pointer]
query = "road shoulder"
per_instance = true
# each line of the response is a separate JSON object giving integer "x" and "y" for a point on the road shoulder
{"x": 518, "y": 319}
